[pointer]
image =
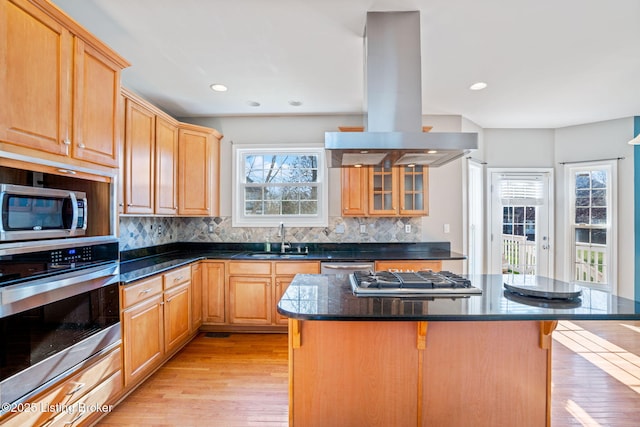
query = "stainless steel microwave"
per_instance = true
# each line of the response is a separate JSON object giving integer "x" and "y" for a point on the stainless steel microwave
{"x": 32, "y": 213}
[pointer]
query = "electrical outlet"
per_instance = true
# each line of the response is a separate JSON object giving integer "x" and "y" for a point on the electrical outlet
{"x": 446, "y": 228}
{"x": 211, "y": 228}
{"x": 363, "y": 228}
{"x": 407, "y": 228}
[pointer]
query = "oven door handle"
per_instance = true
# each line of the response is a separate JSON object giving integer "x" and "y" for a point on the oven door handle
{"x": 346, "y": 266}
{"x": 50, "y": 289}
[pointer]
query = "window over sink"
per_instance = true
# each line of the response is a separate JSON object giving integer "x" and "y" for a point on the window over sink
{"x": 274, "y": 185}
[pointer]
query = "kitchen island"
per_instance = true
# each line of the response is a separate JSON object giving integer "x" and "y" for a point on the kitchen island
{"x": 481, "y": 360}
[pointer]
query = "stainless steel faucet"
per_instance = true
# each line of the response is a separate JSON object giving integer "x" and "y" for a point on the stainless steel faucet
{"x": 283, "y": 245}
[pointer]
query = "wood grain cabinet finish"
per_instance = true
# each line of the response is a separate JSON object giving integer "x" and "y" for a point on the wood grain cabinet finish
{"x": 354, "y": 195}
{"x": 166, "y": 167}
{"x": 60, "y": 94}
{"x": 156, "y": 321}
{"x": 213, "y": 292}
{"x": 151, "y": 159}
{"x": 408, "y": 265}
{"x": 387, "y": 192}
{"x": 198, "y": 171}
{"x": 255, "y": 287}
{"x": 143, "y": 330}
{"x": 197, "y": 280}
{"x": 139, "y": 147}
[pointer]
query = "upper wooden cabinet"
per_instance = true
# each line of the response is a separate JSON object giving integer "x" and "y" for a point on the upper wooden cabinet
{"x": 379, "y": 191}
{"x": 60, "y": 89}
{"x": 355, "y": 187}
{"x": 139, "y": 149}
{"x": 166, "y": 170}
{"x": 198, "y": 171}
{"x": 169, "y": 168}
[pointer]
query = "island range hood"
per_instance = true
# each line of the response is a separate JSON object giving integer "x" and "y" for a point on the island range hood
{"x": 393, "y": 130}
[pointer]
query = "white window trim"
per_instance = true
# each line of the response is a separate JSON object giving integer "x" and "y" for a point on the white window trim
{"x": 239, "y": 220}
{"x": 612, "y": 233}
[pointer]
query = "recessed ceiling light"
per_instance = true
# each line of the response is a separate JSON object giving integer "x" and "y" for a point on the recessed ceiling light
{"x": 478, "y": 86}
{"x": 217, "y": 87}
{"x": 253, "y": 103}
{"x": 432, "y": 151}
{"x": 295, "y": 103}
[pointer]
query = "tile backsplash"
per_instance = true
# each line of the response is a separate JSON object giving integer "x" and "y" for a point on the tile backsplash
{"x": 139, "y": 232}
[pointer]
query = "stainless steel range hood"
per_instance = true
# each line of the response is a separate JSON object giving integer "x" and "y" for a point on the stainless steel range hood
{"x": 393, "y": 129}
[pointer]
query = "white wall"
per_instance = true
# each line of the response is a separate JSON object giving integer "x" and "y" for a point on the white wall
{"x": 597, "y": 141}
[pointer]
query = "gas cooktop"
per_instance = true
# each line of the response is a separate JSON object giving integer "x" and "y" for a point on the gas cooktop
{"x": 420, "y": 283}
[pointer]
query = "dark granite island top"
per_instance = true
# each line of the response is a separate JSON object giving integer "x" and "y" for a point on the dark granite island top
{"x": 481, "y": 360}
{"x": 329, "y": 297}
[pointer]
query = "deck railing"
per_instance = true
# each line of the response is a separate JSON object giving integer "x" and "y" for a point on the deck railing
{"x": 590, "y": 263}
{"x": 518, "y": 255}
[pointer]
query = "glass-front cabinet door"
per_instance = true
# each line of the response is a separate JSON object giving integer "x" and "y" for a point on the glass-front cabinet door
{"x": 383, "y": 191}
{"x": 398, "y": 191}
{"x": 414, "y": 182}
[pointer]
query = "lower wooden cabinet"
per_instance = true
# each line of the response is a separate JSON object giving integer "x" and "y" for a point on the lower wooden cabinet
{"x": 408, "y": 265}
{"x": 156, "y": 321}
{"x": 196, "y": 295}
{"x": 255, "y": 287}
{"x": 177, "y": 316}
{"x": 213, "y": 292}
{"x": 143, "y": 331}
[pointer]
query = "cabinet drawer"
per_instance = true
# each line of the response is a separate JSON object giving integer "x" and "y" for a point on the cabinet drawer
{"x": 408, "y": 265}
{"x": 249, "y": 267}
{"x": 291, "y": 267}
{"x": 91, "y": 405}
{"x": 177, "y": 277}
{"x": 132, "y": 294}
{"x": 68, "y": 392}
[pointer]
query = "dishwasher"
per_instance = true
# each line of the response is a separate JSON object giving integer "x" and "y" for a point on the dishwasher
{"x": 346, "y": 267}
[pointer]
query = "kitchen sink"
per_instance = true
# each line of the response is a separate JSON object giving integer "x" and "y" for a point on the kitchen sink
{"x": 268, "y": 255}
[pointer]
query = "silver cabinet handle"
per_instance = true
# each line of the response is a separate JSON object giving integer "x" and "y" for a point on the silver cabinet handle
{"x": 67, "y": 141}
{"x": 81, "y": 145}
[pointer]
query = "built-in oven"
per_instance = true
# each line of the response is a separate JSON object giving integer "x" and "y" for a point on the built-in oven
{"x": 30, "y": 213}
{"x": 58, "y": 307}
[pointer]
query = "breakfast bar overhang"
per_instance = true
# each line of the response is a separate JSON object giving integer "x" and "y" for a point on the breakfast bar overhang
{"x": 481, "y": 360}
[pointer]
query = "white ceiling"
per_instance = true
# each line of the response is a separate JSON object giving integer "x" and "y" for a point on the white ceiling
{"x": 548, "y": 63}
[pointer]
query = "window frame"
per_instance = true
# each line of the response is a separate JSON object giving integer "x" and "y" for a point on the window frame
{"x": 611, "y": 169}
{"x": 239, "y": 219}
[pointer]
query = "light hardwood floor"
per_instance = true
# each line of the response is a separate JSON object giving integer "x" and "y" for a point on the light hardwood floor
{"x": 241, "y": 380}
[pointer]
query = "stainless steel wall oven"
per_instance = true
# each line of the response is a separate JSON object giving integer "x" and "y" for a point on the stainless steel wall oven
{"x": 58, "y": 307}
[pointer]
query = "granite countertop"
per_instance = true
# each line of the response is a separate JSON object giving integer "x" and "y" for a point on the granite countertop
{"x": 141, "y": 263}
{"x": 329, "y": 297}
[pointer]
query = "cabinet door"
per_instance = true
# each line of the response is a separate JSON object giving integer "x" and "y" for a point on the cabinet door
{"x": 282, "y": 283}
{"x": 139, "y": 153}
{"x": 143, "y": 339}
{"x": 354, "y": 191}
{"x": 96, "y": 107}
{"x": 35, "y": 111}
{"x": 213, "y": 295}
{"x": 250, "y": 300}
{"x": 195, "y": 173}
{"x": 196, "y": 296}
{"x": 414, "y": 191}
{"x": 177, "y": 316}
{"x": 383, "y": 191}
{"x": 166, "y": 167}
{"x": 408, "y": 265}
